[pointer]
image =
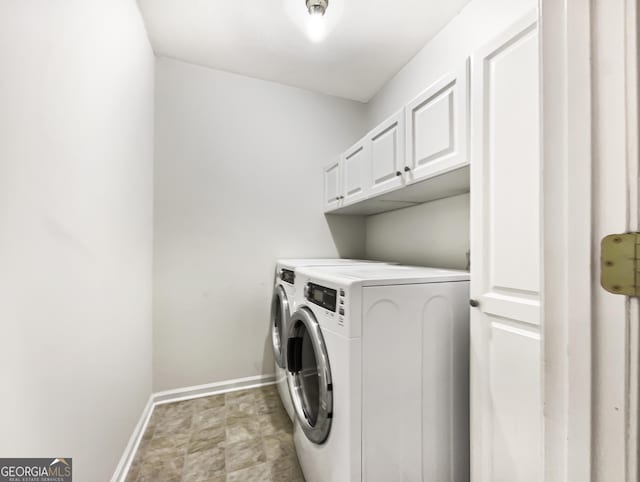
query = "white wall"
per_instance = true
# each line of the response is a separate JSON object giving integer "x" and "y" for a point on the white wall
{"x": 238, "y": 184}
{"x": 435, "y": 235}
{"x": 474, "y": 26}
{"x": 76, "y": 148}
{"x": 431, "y": 234}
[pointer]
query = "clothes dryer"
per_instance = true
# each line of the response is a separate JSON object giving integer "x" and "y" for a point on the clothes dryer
{"x": 377, "y": 362}
{"x": 282, "y": 307}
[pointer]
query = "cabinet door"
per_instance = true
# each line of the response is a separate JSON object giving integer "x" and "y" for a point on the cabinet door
{"x": 436, "y": 127}
{"x": 355, "y": 171}
{"x": 506, "y": 408}
{"x": 387, "y": 154}
{"x": 332, "y": 187}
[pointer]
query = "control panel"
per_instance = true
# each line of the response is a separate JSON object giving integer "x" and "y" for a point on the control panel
{"x": 322, "y": 296}
{"x": 288, "y": 276}
{"x": 341, "y": 307}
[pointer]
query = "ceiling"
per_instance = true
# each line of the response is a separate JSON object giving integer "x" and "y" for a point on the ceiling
{"x": 364, "y": 42}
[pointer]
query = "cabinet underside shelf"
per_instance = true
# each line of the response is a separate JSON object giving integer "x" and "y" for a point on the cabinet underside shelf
{"x": 445, "y": 185}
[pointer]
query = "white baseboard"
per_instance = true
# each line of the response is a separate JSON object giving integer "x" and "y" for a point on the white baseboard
{"x": 177, "y": 395}
{"x": 209, "y": 389}
{"x": 134, "y": 441}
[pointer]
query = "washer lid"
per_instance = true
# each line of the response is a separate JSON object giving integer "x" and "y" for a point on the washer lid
{"x": 301, "y": 262}
{"x": 380, "y": 274}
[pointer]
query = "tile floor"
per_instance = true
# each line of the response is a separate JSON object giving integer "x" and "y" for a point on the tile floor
{"x": 239, "y": 436}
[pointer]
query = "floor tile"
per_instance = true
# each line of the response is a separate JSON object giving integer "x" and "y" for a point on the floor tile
{"x": 239, "y": 399}
{"x": 210, "y": 417}
{"x": 278, "y": 446}
{"x": 238, "y": 436}
{"x": 207, "y": 439}
{"x": 166, "y": 445}
{"x": 165, "y": 469}
{"x": 268, "y": 404}
{"x": 214, "y": 401}
{"x": 257, "y": 473}
{"x": 275, "y": 423}
{"x": 286, "y": 469}
{"x": 244, "y": 454}
{"x": 156, "y": 416}
{"x": 242, "y": 428}
{"x": 267, "y": 392}
{"x": 204, "y": 465}
{"x": 176, "y": 425}
{"x": 241, "y": 409}
{"x": 176, "y": 409}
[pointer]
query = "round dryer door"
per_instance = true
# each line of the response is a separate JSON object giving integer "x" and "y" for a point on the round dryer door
{"x": 309, "y": 376}
{"x": 279, "y": 317}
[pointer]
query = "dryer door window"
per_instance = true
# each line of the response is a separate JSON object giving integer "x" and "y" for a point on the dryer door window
{"x": 279, "y": 317}
{"x": 309, "y": 379}
{"x": 309, "y": 376}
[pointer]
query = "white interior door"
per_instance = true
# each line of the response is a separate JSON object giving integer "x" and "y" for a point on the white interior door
{"x": 506, "y": 411}
{"x": 591, "y": 161}
{"x": 615, "y": 343}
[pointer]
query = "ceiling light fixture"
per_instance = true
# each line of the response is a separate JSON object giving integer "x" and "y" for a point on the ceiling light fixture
{"x": 316, "y": 25}
{"x": 317, "y": 7}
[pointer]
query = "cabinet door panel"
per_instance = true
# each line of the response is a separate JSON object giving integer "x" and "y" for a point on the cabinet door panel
{"x": 514, "y": 363}
{"x": 387, "y": 154}
{"x": 433, "y": 127}
{"x": 436, "y": 127}
{"x": 332, "y": 188}
{"x": 506, "y": 365}
{"x": 356, "y": 166}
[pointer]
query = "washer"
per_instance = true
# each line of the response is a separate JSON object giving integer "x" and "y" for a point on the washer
{"x": 282, "y": 306}
{"x": 378, "y": 370}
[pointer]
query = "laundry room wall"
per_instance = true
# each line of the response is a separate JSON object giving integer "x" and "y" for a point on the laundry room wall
{"x": 76, "y": 170}
{"x": 436, "y": 233}
{"x": 431, "y": 234}
{"x": 238, "y": 184}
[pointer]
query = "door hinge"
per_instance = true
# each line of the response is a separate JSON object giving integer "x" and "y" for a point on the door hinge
{"x": 620, "y": 264}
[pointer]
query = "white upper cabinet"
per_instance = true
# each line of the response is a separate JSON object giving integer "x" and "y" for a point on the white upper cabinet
{"x": 387, "y": 154}
{"x": 332, "y": 187}
{"x": 424, "y": 144}
{"x": 356, "y": 172}
{"x": 436, "y": 127}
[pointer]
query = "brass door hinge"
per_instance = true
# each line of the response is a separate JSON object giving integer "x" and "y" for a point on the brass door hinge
{"x": 620, "y": 264}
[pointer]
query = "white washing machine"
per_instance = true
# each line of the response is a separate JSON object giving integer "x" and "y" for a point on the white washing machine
{"x": 378, "y": 370}
{"x": 282, "y": 307}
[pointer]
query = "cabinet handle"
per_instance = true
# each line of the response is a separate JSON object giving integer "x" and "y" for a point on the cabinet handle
{"x": 398, "y": 173}
{"x": 474, "y": 303}
{"x": 407, "y": 168}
